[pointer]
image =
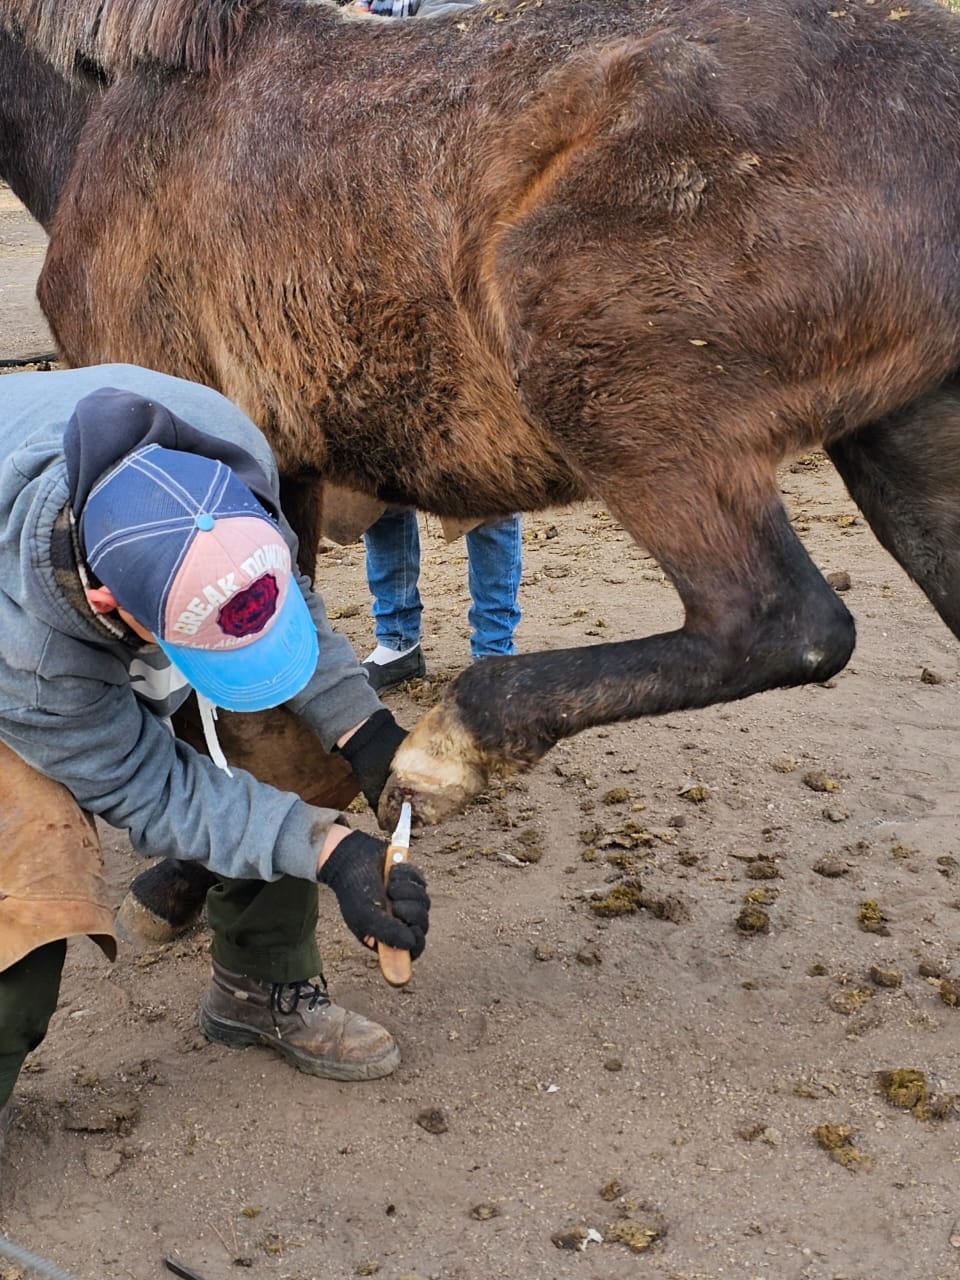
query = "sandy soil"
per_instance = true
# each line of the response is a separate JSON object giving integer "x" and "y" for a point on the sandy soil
{"x": 582, "y": 1094}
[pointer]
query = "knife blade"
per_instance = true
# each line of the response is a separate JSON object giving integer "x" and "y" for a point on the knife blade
{"x": 395, "y": 963}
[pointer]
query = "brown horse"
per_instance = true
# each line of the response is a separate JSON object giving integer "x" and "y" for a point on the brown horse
{"x": 537, "y": 251}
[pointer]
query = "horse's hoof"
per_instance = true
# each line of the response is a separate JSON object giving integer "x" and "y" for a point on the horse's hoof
{"x": 164, "y": 902}
{"x": 437, "y": 768}
{"x": 135, "y": 923}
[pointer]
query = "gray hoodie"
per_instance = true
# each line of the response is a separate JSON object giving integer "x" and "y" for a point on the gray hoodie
{"x": 70, "y": 705}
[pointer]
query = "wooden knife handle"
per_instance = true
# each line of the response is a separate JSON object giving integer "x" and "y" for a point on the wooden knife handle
{"x": 395, "y": 963}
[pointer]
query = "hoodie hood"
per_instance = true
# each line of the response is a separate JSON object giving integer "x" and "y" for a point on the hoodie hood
{"x": 109, "y": 424}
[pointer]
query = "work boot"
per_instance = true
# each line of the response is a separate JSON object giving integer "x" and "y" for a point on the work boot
{"x": 298, "y": 1020}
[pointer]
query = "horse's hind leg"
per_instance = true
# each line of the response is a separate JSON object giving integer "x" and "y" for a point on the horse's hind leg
{"x": 166, "y": 899}
{"x": 904, "y": 474}
{"x": 759, "y": 615}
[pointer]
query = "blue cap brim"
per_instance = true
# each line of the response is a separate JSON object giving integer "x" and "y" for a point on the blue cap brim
{"x": 264, "y": 674}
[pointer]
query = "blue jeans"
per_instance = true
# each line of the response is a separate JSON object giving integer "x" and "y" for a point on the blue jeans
{"x": 493, "y": 576}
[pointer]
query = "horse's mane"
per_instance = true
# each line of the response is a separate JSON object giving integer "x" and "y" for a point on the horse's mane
{"x": 193, "y": 35}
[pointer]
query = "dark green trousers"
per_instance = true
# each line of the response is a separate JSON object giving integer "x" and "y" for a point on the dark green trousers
{"x": 262, "y": 930}
{"x": 28, "y": 997}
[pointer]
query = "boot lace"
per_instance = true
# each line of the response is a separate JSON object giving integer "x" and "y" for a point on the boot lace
{"x": 285, "y": 997}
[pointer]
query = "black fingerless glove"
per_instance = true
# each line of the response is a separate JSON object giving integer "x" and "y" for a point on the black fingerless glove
{"x": 370, "y": 751}
{"x": 354, "y": 871}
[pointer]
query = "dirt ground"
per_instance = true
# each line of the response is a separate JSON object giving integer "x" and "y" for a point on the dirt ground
{"x": 582, "y": 1094}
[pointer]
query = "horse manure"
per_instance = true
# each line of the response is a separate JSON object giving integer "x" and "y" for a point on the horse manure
{"x": 626, "y": 862}
{"x": 616, "y": 795}
{"x": 622, "y": 900}
{"x": 889, "y": 978}
{"x": 763, "y": 869}
{"x": 831, "y": 867}
{"x": 950, "y": 992}
{"x": 696, "y": 794}
{"x": 529, "y": 846}
{"x": 907, "y": 1089}
{"x": 872, "y": 918}
{"x": 572, "y": 1238}
{"x": 783, "y": 764}
{"x": 629, "y": 835}
{"x": 837, "y": 1140}
{"x": 637, "y": 1236}
{"x": 819, "y": 780}
{"x": 611, "y": 1190}
{"x": 761, "y": 897}
{"x": 753, "y": 919}
{"x": 836, "y": 815}
{"x": 839, "y": 580}
{"x": 930, "y": 677}
{"x": 850, "y": 1000}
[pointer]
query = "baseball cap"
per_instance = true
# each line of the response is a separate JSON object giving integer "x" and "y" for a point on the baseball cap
{"x": 187, "y": 549}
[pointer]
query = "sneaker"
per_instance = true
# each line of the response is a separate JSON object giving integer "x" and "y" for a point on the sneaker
{"x": 298, "y": 1020}
{"x": 384, "y": 675}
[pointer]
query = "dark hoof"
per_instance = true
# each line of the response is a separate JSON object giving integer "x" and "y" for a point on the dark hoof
{"x": 164, "y": 901}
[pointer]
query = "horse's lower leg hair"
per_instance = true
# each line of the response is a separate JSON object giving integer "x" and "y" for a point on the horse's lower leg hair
{"x": 762, "y": 619}
{"x": 786, "y": 628}
{"x": 904, "y": 474}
